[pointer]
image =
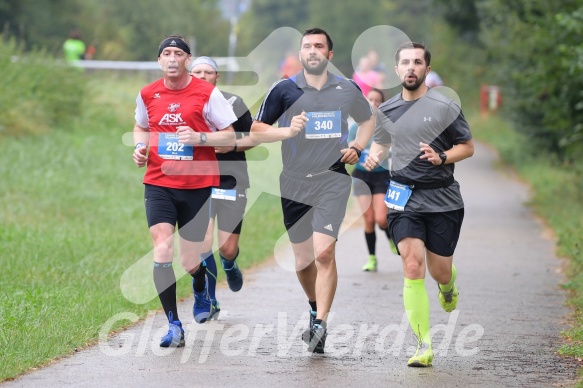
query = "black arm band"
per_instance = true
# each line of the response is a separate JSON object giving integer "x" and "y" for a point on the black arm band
{"x": 358, "y": 152}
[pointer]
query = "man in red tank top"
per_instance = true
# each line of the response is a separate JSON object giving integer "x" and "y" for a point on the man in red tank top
{"x": 179, "y": 121}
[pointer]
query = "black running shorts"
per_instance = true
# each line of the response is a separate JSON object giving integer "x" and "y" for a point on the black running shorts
{"x": 187, "y": 208}
{"x": 368, "y": 182}
{"x": 439, "y": 231}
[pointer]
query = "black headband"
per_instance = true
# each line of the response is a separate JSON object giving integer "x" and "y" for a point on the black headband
{"x": 174, "y": 42}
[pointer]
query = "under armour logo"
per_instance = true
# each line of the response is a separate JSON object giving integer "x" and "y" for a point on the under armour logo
{"x": 427, "y": 118}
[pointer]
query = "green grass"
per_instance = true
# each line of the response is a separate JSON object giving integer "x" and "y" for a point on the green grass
{"x": 72, "y": 221}
{"x": 557, "y": 196}
{"x": 37, "y": 93}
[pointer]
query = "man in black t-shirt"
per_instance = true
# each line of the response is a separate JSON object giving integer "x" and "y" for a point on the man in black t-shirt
{"x": 312, "y": 109}
{"x": 228, "y": 201}
{"x": 427, "y": 134}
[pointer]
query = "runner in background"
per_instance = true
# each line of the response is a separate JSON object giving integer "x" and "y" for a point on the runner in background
{"x": 433, "y": 79}
{"x": 74, "y": 48}
{"x": 369, "y": 188}
{"x": 229, "y": 200}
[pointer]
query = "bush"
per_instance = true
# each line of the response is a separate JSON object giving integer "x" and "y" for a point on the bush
{"x": 38, "y": 91}
{"x": 538, "y": 52}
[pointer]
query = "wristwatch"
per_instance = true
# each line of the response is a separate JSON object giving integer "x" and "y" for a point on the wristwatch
{"x": 443, "y": 157}
{"x": 202, "y": 138}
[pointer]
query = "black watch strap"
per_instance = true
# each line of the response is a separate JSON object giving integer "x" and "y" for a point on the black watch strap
{"x": 358, "y": 152}
{"x": 443, "y": 157}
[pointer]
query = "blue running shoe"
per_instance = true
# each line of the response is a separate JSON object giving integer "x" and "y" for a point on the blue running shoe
{"x": 306, "y": 334}
{"x": 202, "y": 304}
{"x": 234, "y": 276}
{"x": 317, "y": 338}
{"x": 175, "y": 336}
{"x": 215, "y": 310}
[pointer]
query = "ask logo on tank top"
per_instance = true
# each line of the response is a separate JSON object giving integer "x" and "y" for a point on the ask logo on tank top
{"x": 172, "y": 118}
{"x": 171, "y": 163}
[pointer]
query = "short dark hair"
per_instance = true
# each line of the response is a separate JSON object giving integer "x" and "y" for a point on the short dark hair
{"x": 413, "y": 45}
{"x": 75, "y": 34}
{"x": 318, "y": 31}
{"x": 379, "y": 92}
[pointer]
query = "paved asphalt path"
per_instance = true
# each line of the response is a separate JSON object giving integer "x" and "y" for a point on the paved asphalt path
{"x": 504, "y": 332}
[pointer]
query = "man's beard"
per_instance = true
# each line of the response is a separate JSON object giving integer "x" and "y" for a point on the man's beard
{"x": 414, "y": 86}
{"x": 318, "y": 69}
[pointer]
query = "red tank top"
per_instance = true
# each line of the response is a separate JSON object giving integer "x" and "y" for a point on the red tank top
{"x": 169, "y": 163}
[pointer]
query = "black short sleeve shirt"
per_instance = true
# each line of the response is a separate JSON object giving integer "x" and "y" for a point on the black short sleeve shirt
{"x": 330, "y": 108}
{"x": 233, "y": 165}
{"x": 435, "y": 120}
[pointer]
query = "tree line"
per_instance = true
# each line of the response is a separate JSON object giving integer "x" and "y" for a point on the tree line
{"x": 535, "y": 51}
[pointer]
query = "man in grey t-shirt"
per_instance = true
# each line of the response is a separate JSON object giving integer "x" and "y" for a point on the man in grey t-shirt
{"x": 312, "y": 110}
{"x": 427, "y": 134}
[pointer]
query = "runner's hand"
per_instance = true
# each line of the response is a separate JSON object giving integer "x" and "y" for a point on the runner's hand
{"x": 429, "y": 154}
{"x": 140, "y": 157}
{"x": 297, "y": 125}
{"x": 349, "y": 156}
{"x": 373, "y": 161}
{"x": 187, "y": 135}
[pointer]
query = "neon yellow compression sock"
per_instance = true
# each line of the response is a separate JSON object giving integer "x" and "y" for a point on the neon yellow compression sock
{"x": 416, "y": 304}
{"x": 445, "y": 288}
